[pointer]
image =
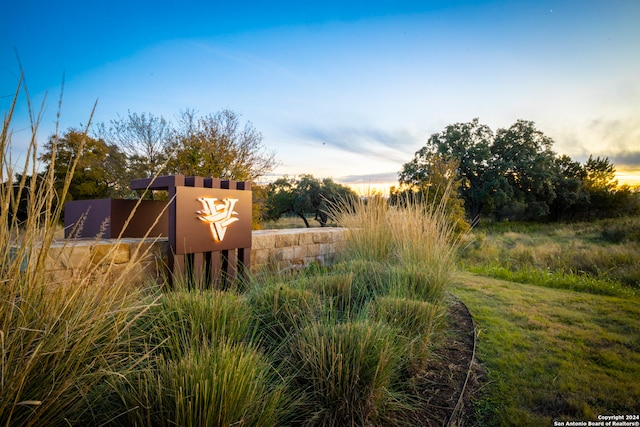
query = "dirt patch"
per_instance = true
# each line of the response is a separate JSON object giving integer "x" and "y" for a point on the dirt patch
{"x": 450, "y": 383}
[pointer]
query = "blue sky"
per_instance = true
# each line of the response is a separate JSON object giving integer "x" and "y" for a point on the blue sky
{"x": 341, "y": 89}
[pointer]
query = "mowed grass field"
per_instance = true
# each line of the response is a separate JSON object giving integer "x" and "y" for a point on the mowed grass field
{"x": 552, "y": 354}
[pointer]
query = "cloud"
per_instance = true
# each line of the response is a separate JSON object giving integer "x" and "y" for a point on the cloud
{"x": 393, "y": 146}
{"x": 617, "y": 135}
{"x": 373, "y": 178}
{"x": 627, "y": 159}
{"x": 615, "y": 138}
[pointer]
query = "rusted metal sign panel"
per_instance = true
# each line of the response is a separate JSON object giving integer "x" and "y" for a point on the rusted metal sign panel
{"x": 211, "y": 219}
{"x": 107, "y": 218}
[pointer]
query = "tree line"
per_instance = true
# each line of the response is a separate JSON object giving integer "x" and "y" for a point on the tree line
{"x": 513, "y": 174}
{"x": 217, "y": 145}
{"x": 145, "y": 145}
{"x": 510, "y": 174}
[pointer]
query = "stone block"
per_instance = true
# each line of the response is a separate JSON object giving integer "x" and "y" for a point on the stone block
{"x": 313, "y": 250}
{"x": 327, "y": 248}
{"x": 286, "y": 240}
{"x": 261, "y": 256}
{"x": 117, "y": 253}
{"x": 284, "y": 254}
{"x": 299, "y": 252}
{"x": 69, "y": 257}
{"x": 306, "y": 238}
{"x": 263, "y": 240}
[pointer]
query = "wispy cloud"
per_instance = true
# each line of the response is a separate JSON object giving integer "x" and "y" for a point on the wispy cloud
{"x": 374, "y": 178}
{"x": 394, "y": 146}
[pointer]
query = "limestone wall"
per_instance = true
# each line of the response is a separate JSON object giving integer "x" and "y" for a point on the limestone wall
{"x": 272, "y": 250}
{"x": 295, "y": 248}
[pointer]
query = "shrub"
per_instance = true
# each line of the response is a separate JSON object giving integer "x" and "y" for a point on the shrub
{"x": 621, "y": 230}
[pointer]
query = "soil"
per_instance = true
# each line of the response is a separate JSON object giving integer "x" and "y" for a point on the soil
{"x": 451, "y": 382}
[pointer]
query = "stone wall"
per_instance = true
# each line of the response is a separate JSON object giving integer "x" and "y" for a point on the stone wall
{"x": 272, "y": 250}
{"x": 295, "y": 248}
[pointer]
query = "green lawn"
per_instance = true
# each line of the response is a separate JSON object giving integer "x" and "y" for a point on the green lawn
{"x": 553, "y": 354}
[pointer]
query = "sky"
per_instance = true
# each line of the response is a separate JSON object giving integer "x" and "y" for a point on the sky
{"x": 348, "y": 90}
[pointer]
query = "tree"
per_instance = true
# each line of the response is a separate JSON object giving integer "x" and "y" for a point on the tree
{"x": 143, "y": 138}
{"x": 470, "y": 145}
{"x": 571, "y": 199}
{"x": 600, "y": 175}
{"x": 91, "y": 179}
{"x": 522, "y": 172}
{"x": 218, "y": 145}
{"x": 600, "y": 184}
{"x": 306, "y": 195}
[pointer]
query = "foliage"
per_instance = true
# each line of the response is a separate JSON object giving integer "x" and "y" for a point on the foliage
{"x": 514, "y": 175}
{"x": 217, "y": 145}
{"x": 303, "y": 196}
{"x": 98, "y": 170}
{"x": 467, "y": 144}
{"x": 522, "y": 172}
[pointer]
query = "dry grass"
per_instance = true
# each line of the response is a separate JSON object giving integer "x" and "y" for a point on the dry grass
{"x": 60, "y": 345}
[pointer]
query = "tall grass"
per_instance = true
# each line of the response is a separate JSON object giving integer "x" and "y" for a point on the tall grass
{"x": 59, "y": 342}
{"x": 420, "y": 240}
{"x": 346, "y": 371}
{"x": 224, "y": 385}
{"x": 599, "y": 257}
{"x": 190, "y": 319}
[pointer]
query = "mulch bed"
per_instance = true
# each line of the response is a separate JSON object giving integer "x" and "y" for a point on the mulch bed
{"x": 451, "y": 382}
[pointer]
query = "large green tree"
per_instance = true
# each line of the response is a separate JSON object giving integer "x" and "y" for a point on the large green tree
{"x": 514, "y": 174}
{"x": 523, "y": 172}
{"x": 572, "y": 200}
{"x": 468, "y": 144}
{"x": 97, "y": 171}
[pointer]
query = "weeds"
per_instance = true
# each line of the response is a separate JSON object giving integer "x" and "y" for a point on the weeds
{"x": 571, "y": 256}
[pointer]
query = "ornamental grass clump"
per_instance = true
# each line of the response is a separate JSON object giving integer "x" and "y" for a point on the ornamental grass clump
{"x": 222, "y": 385}
{"x": 415, "y": 322}
{"x": 338, "y": 291}
{"x": 280, "y": 310}
{"x": 369, "y": 236}
{"x": 62, "y": 339}
{"x": 185, "y": 319}
{"x": 416, "y": 242}
{"x": 345, "y": 372}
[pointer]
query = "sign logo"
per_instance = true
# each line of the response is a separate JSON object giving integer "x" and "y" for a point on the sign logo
{"x": 218, "y": 213}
